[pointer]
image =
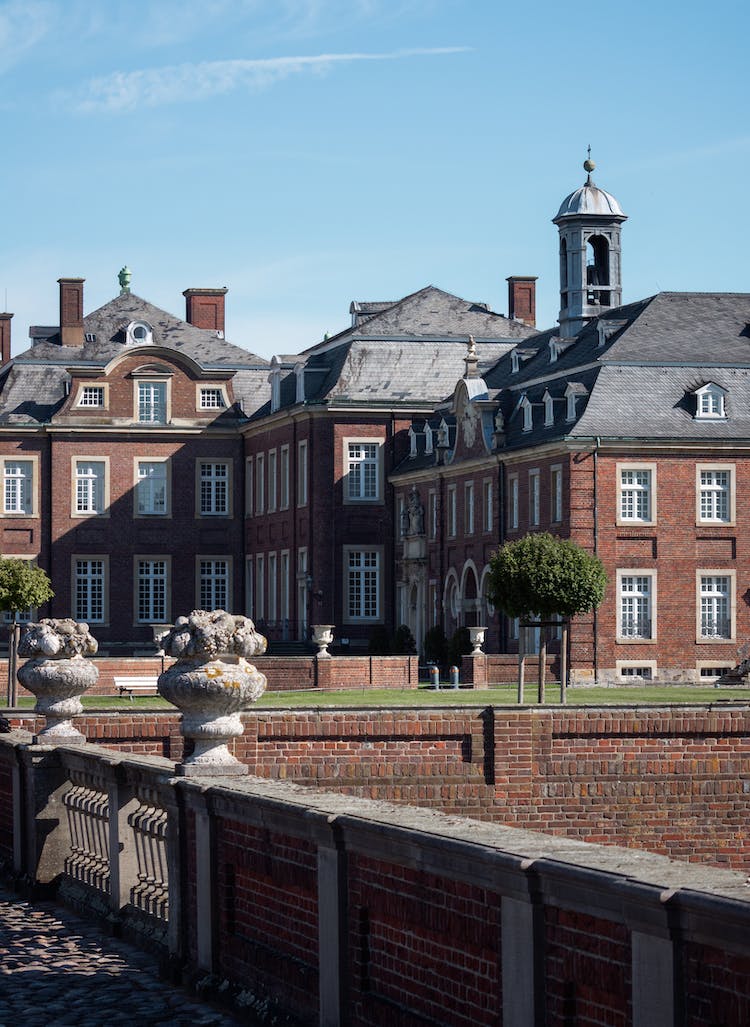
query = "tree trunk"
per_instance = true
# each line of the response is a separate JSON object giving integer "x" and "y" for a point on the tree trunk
{"x": 542, "y": 662}
{"x": 564, "y": 664}
{"x": 521, "y": 635}
{"x": 13, "y": 663}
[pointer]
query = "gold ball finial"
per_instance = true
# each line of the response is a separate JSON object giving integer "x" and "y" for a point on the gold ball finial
{"x": 588, "y": 164}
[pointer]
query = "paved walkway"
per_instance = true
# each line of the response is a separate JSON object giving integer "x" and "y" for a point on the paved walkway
{"x": 56, "y": 968}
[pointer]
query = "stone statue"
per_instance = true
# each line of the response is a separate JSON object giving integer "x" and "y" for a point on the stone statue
{"x": 415, "y": 513}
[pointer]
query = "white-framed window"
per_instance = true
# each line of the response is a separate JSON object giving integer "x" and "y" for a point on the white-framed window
{"x": 152, "y": 589}
{"x": 90, "y": 589}
{"x": 260, "y": 483}
{"x": 534, "y": 498}
{"x": 402, "y": 520}
{"x": 488, "y": 513}
{"x": 214, "y": 583}
{"x": 249, "y": 486}
{"x": 636, "y": 605}
{"x": 636, "y": 499}
{"x": 273, "y": 586}
{"x": 526, "y": 408}
{"x": 549, "y": 412}
{"x": 451, "y": 497}
{"x": 212, "y": 397}
{"x": 716, "y": 605}
{"x": 18, "y": 487}
{"x": 90, "y": 486}
{"x": 635, "y": 671}
{"x": 710, "y": 402}
{"x": 716, "y": 494}
{"x": 272, "y": 480}
{"x": 573, "y": 390}
{"x": 302, "y": 473}
{"x": 284, "y": 587}
{"x": 152, "y": 402}
{"x": 260, "y": 586}
{"x": 139, "y": 333}
{"x": 556, "y": 494}
{"x": 303, "y": 586}
{"x": 362, "y": 584}
{"x": 469, "y": 508}
{"x": 513, "y": 506}
{"x": 709, "y": 670}
{"x": 249, "y": 588}
{"x": 92, "y": 396}
{"x": 152, "y": 488}
{"x": 284, "y": 478}
{"x": 433, "y": 506}
{"x": 363, "y": 471}
{"x": 214, "y": 489}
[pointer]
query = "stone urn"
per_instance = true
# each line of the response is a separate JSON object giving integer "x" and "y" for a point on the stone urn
{"x": 322, "y": 637}
{"x": 210, "y": 684}
{"x": 58, "y": 673}
{"x": 476, "y": 637}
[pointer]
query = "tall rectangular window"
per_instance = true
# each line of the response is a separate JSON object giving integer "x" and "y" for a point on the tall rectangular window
{"x": 249, "y": 588}
{"x": 272, "y": 480}
{"x": 303, "y": 595}
{"x": 636, "y": 495}
{"x": 363, "y": 584}
{"x": 636, "y": 605}
{"x": 18, "y": 490}
{"x": 556, "y": 494}
{"x": 214, "y": 489}
{"x": 260, "y": 587}
{"x": 363, "y": 470}
{"x": 152, "y": 402}
{"x": 451, "y": 496}
{"x": 260, "y": 483}
{"x": 284, "y": 478}
{"x": 89, "y": 590}
{"x": 469, "y": 508}
{"x": 302, "y": 473}
{"x": 715, "y": 495}
{"x": 213, "y": 584}
{"x": 249, "y": 486}
{"x": 273, "y": 587}
{"x": 284, "y": 588}
{"x": 433, "y": 501}
{"x": 534, "y": 505}
{"x": 716, "y": 606}
{"x": 513, "y": 502}
{"x": 152, "y": 487}
{"x": 152, "y": 591}
{"x": 89, "y": 486}
{"x": 488, "y": 514}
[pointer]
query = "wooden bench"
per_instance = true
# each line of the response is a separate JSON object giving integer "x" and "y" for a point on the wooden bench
{"x": 145, "y": 685}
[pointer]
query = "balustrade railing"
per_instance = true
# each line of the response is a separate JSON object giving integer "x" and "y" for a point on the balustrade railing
{"x": 87, "y": 808}
{"x": 150, "y": 893}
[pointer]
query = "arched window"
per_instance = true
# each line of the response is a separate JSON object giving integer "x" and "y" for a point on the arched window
{"x": 597, "y": 271}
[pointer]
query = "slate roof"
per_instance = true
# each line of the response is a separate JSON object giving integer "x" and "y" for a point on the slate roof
{"x": 31, "y": 394}
{"x": 106, "y": 326}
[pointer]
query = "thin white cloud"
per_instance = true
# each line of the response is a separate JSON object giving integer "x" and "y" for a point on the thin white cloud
{"x": 179, "y": 83}
{"x": 23, "y": 23}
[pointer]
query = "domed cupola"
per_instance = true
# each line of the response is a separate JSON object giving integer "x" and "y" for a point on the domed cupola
{"x": 589, "y": 221}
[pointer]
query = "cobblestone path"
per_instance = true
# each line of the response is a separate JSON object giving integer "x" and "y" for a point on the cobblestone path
{"x": 56, "y": 968}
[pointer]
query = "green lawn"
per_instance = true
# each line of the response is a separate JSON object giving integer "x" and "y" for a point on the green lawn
{"x": 424, "y": 696}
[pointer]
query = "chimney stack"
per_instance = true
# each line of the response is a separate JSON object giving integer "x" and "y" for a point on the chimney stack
{"x": 5, "y": 338}
{"x": 522, "y": 298}
{"x": 71, "y": 311}
{"x": 204, "y": 308}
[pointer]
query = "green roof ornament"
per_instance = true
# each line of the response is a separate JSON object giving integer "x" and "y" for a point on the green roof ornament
{"x": 124, "y": 277}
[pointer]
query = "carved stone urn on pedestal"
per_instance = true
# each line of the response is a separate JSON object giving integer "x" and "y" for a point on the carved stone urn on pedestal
{"x": 58, "y": 673}
{"x": 210, "y": 684}
{"x": 322, "y": 637}
{"x": 476, "y": 637}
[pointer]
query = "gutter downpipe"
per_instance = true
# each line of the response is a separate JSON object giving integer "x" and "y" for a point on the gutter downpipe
{"x": 597, "y": 443}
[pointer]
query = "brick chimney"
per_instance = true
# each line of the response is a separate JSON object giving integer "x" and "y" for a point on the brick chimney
{"x": 522, "y": 298}
{"x": 71, "y": 311}
{"x": 5, "y": 338}
{"x": 204, "y": 308}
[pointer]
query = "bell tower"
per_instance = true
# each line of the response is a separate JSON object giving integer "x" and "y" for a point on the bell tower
{"x": 589, "y": 223}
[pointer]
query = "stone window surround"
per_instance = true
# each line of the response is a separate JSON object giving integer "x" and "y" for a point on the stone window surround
{"x": 352, "y": 440}
{"x": 77, "y": 459}
{"x": 731, "y": 468}
{"x": 346, "y": 617}
{"x": 203, "y": 461}
{"x": 167, "y": 560}
{"x": 630, "y": 465}
{"x": 21, "y": 457}
{"x": 724, "y": 572}
{"x": 639, "y": 572}
{"x": 137, "y": 460}
{"x": 104, "y": 558}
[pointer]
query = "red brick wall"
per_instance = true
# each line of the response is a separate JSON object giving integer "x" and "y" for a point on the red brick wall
{"x": 268, "y": 913}
{"x": 717, "y": 987}
{"x": 404, "y": 924}
{"x": 587, "y": 970}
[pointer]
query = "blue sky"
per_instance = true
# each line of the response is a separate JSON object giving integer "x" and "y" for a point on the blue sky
{"x": 305, "y": 153}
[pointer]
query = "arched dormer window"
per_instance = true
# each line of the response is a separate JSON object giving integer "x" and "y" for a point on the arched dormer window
{"x": 427, "y": 437}
{"x": 710, "y": 402}
{"x": 139, "y": 333}
{"x": 549, "y": 413}
{"x": 528, "y": 422}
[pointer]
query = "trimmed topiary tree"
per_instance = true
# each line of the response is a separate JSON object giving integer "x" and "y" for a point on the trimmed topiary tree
{"x": 23, "y": 585}
{"x": 403, "y": 641}
{"x": 541, "y": 576}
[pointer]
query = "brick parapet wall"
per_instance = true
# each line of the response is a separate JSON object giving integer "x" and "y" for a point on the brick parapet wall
{"x": 337, "y": 910}
{"x": 673, "y": 780}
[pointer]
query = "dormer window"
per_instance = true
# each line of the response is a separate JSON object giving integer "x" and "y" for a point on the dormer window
{"x": 427, "y": 437}
{"x": 514, "y": 362}
{"x": 572, "y": 392}
{"x": 299, "y": 376}
{"x": 710, "y": 402}
{"x": 139, "y": 333}
{"x": 212, "y": 398}
{"x": 527, "y": 415}
{"x": 412, "y": 442}
{"x": 275, "y": 380}
{"x": 549, "y": 413}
